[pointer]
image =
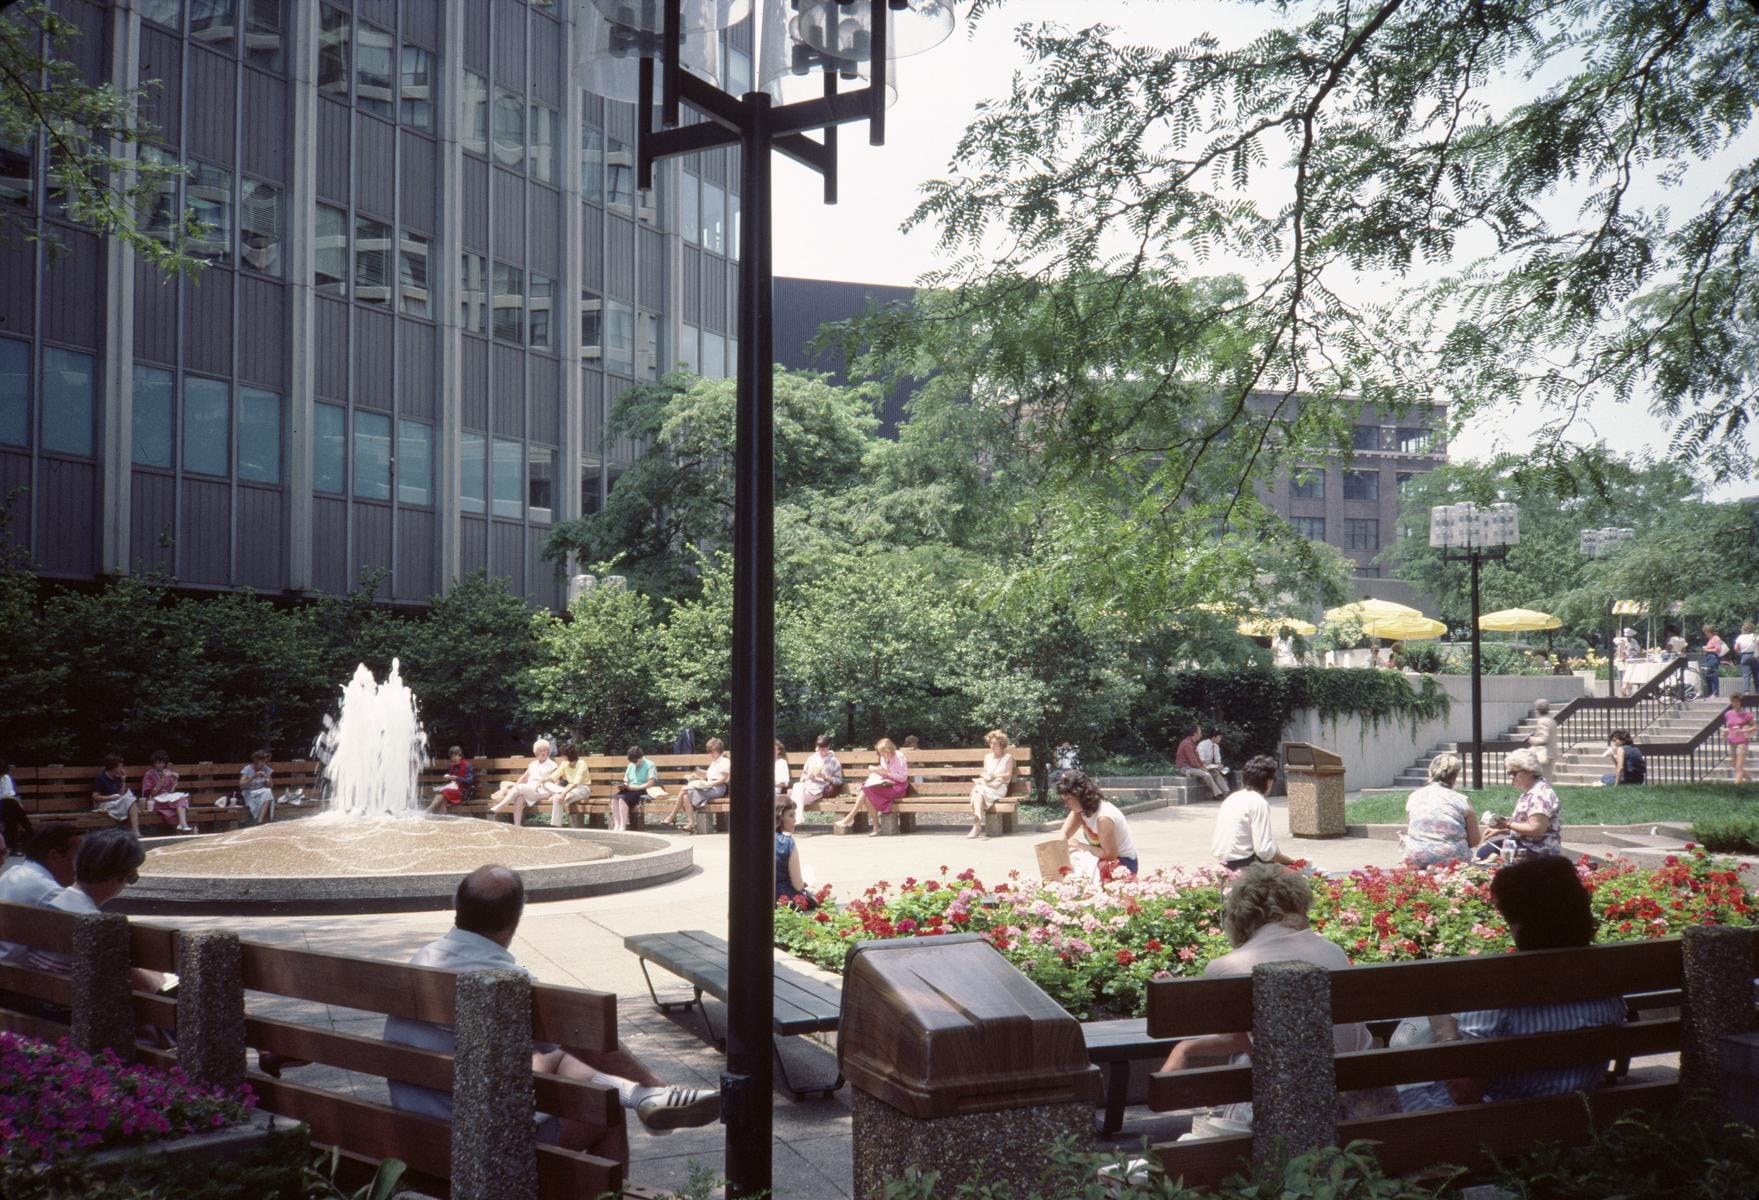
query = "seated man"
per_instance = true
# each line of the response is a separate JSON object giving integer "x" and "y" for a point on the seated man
{"x": 1210, "y": 751}
{"x": 107, "y": 863}
{"x": 1192, "y": 766}
{"x": 1242, "y": 824}
{"x": 488, "y": 905}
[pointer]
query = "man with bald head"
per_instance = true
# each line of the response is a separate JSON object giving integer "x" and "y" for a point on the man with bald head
{"x": 487, "y": 908}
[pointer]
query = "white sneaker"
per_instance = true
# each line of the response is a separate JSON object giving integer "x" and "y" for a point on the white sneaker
{"x": 678, "y": 1108}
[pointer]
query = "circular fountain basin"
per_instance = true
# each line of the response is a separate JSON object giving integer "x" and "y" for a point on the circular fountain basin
{"x": 343, "y": 864}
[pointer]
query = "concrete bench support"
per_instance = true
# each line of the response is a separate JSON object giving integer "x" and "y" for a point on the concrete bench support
{"x": 1718, "y": 964}
{"x": 1294, "y": 1084}
{"x": 103, "y": 1005}
{"x": 494, "y": 1142}
{"x": 210, "y": 1007}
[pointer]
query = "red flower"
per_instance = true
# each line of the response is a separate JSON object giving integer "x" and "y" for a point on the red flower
{"x": 1153, "y": 946}
{"x": 1125, "y": 958}
{"x": 823, "y": 918}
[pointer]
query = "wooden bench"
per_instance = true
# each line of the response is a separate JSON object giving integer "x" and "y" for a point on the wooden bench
{"x": 362, "y": 1132}
{"x": 1651, "y": 972}
{"x": 57, "y": 793}
{"x": 1116, "y": 1047}
{"x": 803, "y": 1004}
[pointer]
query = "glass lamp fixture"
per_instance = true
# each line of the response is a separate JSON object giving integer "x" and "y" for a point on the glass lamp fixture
{"x": 790, "y": 69}
{"x": 649, "y": 16}
{"x": 1474, "y": 527}
{"x": 844, "y": 28}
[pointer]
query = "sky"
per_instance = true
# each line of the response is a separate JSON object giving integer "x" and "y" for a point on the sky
{"x": 860, "y": 239}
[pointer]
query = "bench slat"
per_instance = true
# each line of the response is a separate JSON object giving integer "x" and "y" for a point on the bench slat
{"x": 47, "y": 986}
{"x": 40, "y": 928}
{"x": 396, "y": 989}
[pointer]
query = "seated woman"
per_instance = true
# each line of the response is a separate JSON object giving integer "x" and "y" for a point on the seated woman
{"x": 107, "y": 862}
{"x": 992, "y": 782}
{"x": 822, "y": 776}
{"x": 781, "y": 770}
{"x": 1628, "y": 766}
{"x": 536, "y": 783}
{"x": 638, "y": 785}
{"x": 256, "y": 788}
{"x": 1440, "y": 826}
{"x": 790, "y": 883}
{"x": 708, "y": 784}
{"x": 158, "y": 790}
{"x": 576, "y": 786}
{"x": 1095, "y": 826}
{"x": 460, "y": 785}
{"x": 886, "y": 784}
{"x": 1536, "y": 825}
{"x": 112, "y": 796}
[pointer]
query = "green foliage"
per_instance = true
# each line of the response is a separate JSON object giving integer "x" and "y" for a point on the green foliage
{"x": 1691, "y": 1154}
{"x": 1727, "y": 835}
{"x": 464, "y": 661}
{"x": 595, "y": 672}
{"x": 285, "y": 1168}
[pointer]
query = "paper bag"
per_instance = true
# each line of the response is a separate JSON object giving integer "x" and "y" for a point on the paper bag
{"x": 1053, "y": 857}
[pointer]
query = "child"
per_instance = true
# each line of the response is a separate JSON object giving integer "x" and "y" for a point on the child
{"x": 460, "y": 782}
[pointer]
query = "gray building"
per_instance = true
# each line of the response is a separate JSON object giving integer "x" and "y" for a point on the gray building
{"x": 430, "y": 273}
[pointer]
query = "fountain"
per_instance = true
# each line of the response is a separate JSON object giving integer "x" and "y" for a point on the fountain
{"x": 374, "y": 848}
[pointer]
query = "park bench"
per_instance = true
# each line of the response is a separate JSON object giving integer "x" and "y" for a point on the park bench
{"x": 940, "y": 782}
{"x": 363, "y": 1132}
{"x": 57, "y": 793}
{"x": 1652, "y": 974}
{"x": 803, "y": 1004}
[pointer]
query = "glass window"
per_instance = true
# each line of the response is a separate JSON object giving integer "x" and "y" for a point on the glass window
{"x": 541, "y": 314}
{"x": 1361, "y": 485}
{"x": 209, "y": 196}
{"x": 688, "y": 358}
{"x": 329, "y": 439}
{"x": 263, "y": 25}
{"x": 372, "y": 455}
{"x": 259, "y": 435}
{"x": 372, "y": 70}
{"x": 1308, "y": 485}
{"x": 473, "y": 292}
{"x": 592, "y": 164}
{"x": 647, "y": 202}
{"x": 509, "y": 479}
{"x": 733, "y": 224}
{"x": 68, "y": 382}
{"x": 259, "y": 226}
{"x": 154, "y": 417}
{"x": 1361, "y": 533}
{"x": 471, "y": 471}
{"x": 414, "y": 291}
{"x": 509, "y": 304}
{"x": 540, "y": 484}
{"x": 1312, "y": 528}
{"x": 714, "y": 355}
{"x": 619, "y": 337}
{"x": 1401, "y": 479}
{"x": 689, "y": 214}
{"x": 159, "y": 211}
{"x": 212, "y": 21}
{"x": 415, "y": 462}
{"x": 1413, "y": 441}
{"x": 619, "y": 175}
{"x": 509, "y": 128}
{"x": 417, "y": 88}
{"x": 16, "y": 173}
{"x": 591, "y": 325}
{"x": 590, "y": 475}
{"x": 168, "y": 13}
{"x": 15, "y": 392}
{"x": 1365, "y": 437}
{"x": 207, "y": 426}
{"x": 372, "y": 261}
{"x": 647, "y": 350}
{"x": 333, "y": 52}
{"x": 733, "y": 356}
{"x": 330, "y": 253}
{"x": 738, "y": 69}
{"x": 543, "y": 143}
{"x": 714, "y": 215}
{"x": 473, "y": 107}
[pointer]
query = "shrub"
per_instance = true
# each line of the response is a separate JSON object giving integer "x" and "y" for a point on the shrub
{"x": 1728, "y": 835}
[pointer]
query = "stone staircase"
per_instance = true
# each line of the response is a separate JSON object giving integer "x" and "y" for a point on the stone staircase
{"x": 1174, "y": 789}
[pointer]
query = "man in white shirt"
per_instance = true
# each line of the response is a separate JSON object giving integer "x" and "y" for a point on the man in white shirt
{"x": 488, "y": 905}
{"x": 1242, "y": 825}
{"x": 46, "y": 869}
{"x": 108, "y": 861}
{"x": 1209, "y": 752}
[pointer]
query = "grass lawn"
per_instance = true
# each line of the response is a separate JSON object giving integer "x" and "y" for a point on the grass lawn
{"x": 1679, "y": 803}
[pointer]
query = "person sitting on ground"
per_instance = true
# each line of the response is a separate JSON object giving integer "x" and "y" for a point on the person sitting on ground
{"x": 782, "y": 778}
{"x": 1738, "y": 725}
{"x": 108, "y": 861}
{"x": 821, "y": 777}
{"x": 639, "y": 783}
{"x": 536, "y": 782}
{"x": 1095, "y": 827}
{"x": 256, "y": 787}
{"x": 992, "y": 782}
{"x": 486, "y": 911}
{"x": 711, "y": 783}
{"x": 1192, "y": 766}
{"x": 47, "y": 868}
{"x": 158, "y": 790}
{"x": 1242, "y": 825}
{"x": 790, "y": 883}
{"x": 1209, "y": 750}
{"x": 576, "y": 786}
{"x": 886, "y": 784}
{"x": 112, "y": 796}
{"x": 460, "y": 785}
{"x": 1440, "y": 826}
{"x": 15, "y": 823}
{"x": 1536, "y": 825}
{"x": 1628, "y": 766}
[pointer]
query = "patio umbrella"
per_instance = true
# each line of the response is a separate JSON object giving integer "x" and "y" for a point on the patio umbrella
{"x": 1414, "y": 628}
{"x": 1518, "y": 620}
{"x": 1377, "y": 616}
{"x": 1276, "y": 626}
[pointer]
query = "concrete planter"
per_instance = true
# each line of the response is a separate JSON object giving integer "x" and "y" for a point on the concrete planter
{"x": 234, "y": 1142}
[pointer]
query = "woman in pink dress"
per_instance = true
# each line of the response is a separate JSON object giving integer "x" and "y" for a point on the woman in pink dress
{"x": 158, "y": 788}
{"x": 1737, "y": 726}
{"x": 888, "y": 782}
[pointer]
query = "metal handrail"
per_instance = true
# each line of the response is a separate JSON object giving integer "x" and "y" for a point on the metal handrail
{"x": 1689, "y": 761}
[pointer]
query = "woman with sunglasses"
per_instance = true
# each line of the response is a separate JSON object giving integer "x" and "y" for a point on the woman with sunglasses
{"x": 1535, "y": 827}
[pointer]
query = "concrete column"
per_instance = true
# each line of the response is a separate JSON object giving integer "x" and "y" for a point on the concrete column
{"x": 116, "y": 397}
{"x": 301, "y": 234}
{"x": 1294, "y": 1084}
{"x": 1718, "y": 963}
{"x": 210, "y": 1008}
{"x": 103, "y": 1006}
{"x": 494, "y": 1142}
{"x": 448, "y": 289}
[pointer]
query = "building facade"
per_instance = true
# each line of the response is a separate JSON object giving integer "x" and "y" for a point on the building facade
{"x": 429, "y": 276}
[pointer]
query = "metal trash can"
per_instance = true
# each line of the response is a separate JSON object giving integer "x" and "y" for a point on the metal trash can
{"x": 957, "y": 1063}
{"x": 1316, "y": 790}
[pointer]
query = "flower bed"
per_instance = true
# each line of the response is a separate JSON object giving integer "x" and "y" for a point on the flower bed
{"x": 58, "y": 1103}
{"x": 1094, "y": 950}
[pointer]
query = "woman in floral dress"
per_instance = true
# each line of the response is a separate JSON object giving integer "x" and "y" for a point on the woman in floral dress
{"x": 1440, "y": 826}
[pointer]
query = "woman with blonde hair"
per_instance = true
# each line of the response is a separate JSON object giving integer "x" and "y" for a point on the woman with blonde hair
{"x": 1440, "y": 825}
{"x": 536, "y": 783}
{"x": 992, "y": 783}
{"x": 886, "y": 784}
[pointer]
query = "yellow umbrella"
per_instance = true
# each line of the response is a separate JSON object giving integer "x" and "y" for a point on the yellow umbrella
{"x": 1376, "y": 617}
{"x": 1276, "y": 626}
{"x": 1417, "y": 628}
{"x": 1518, "y": 620}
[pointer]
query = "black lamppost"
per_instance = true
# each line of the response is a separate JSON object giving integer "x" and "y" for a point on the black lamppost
{"x": 1473, "y": 533}
{"x": 827, "y": 45}
{"x": 1604, "y": 543}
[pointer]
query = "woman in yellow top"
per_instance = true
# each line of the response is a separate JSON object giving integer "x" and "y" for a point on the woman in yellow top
{"x": 576, "y": 785}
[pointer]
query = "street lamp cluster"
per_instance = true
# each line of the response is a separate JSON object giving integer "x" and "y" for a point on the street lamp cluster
{"x": 1474, "y": 533}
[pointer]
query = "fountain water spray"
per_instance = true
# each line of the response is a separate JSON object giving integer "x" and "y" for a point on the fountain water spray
{"x": 374, "y": 749}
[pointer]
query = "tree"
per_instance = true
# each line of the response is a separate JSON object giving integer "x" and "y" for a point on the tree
{"x": 1703, "y": 557}
{"x": 1376, "y": 139}
{"x": 464, "y": 661}
{"x": 87, "y": 129}
{"x": 596, "y": 674}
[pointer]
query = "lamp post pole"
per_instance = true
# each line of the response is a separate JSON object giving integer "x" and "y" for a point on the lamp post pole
{"x": 1472, "y": 533}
